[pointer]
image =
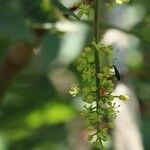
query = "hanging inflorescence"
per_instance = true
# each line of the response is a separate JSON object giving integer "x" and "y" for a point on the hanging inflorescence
{"x": 97, "y": 88}
{"x": 99, "y": 113}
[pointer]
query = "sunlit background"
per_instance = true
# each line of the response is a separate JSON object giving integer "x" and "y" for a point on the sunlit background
{"x": 36, "y": 111}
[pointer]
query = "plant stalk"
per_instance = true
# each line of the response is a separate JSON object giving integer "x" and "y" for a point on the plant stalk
{"x": 96, "y": 26}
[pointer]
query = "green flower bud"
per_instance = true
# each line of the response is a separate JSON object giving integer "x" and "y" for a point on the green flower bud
{"x": 123, "y": 97}
{"x": 89, "y": 138}
{"x": 90, "y": 58}
{"x": 87, "y": 50}
{"x": 89, "y": 99}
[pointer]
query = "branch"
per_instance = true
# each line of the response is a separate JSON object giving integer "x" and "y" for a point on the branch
{"x": 17, "y": 58}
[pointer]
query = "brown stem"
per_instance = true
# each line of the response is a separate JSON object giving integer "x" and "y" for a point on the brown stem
{"x": 17, "y": 58}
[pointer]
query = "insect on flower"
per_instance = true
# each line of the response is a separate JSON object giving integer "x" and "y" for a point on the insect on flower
{"x": 117, "y": 74}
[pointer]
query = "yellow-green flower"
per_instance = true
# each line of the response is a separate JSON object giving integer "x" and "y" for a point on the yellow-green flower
{"x": 74, "y": 90}
{"x": 123, "y": 97}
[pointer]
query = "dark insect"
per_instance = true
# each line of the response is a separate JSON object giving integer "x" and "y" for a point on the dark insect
{"x": 117, "y": 74}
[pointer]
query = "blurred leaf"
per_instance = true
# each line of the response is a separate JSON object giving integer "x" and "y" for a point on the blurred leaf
{"x": 49, "y": 49}
{"x": 39, "y": 10}
{"x": 43, "y": 135}
{"x": 13, "y": 26}
{"x": 51, "y": 113}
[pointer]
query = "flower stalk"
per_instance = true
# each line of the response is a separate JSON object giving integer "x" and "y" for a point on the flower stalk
{"x": 97, "y": 83}
{"x": 96, "y": 29}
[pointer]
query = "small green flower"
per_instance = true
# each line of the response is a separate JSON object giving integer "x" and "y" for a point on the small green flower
{"x": 74, "y": 90}
{"x": 84, "y": 9}
{"x": 90, "y": 137}
{"x": 123, "y": 97}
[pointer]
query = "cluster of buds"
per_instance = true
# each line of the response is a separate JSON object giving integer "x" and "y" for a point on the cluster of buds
{"x": 97, "y": 82}
{"x": 99, "y": 113}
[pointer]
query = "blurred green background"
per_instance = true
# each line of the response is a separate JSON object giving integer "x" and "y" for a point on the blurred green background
{"x": 36, "y": 112}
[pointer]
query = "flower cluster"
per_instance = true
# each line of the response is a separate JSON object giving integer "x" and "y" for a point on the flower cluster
{"x": 84, "y": 9}
{"x": 98, "y": 73}
{"x": 99, "y": 109}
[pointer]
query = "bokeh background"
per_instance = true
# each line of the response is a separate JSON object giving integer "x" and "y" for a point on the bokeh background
{"x": 38, "y": 46}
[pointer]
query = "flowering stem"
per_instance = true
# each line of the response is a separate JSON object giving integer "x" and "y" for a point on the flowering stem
{"x": 96, "y": 20}
{"x": 96, "y": 36}
{"x": 96, "y": 55}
